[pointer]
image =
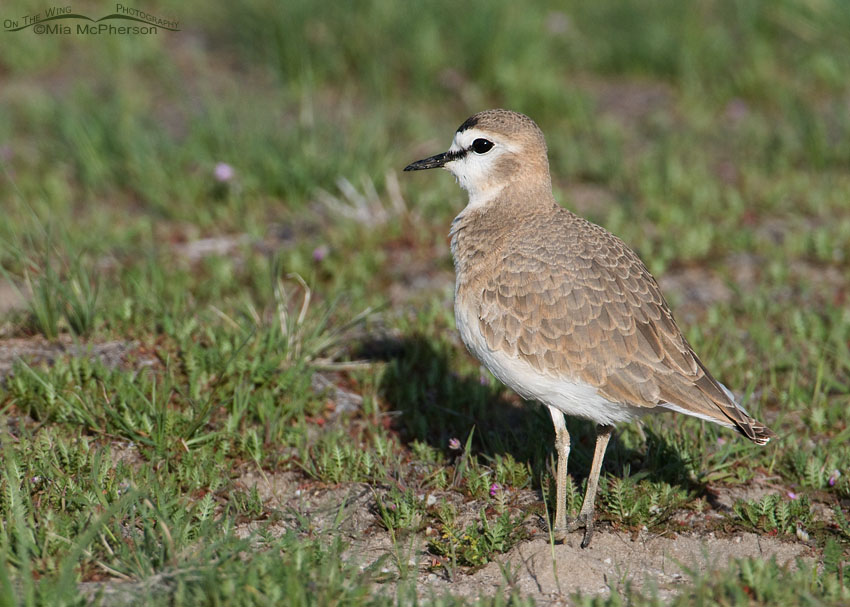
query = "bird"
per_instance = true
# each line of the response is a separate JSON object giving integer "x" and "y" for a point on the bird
{"x": 559, "y": 309}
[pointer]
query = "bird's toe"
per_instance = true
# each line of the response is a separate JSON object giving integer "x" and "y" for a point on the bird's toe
{"x": 582, "y": 521}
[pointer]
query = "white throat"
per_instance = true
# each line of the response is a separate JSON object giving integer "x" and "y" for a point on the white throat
{"x": 480, "y": 198}
{"x": 475, "y": 172}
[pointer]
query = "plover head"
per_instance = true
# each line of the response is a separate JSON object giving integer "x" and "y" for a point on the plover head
{"x": 491, "y": 151}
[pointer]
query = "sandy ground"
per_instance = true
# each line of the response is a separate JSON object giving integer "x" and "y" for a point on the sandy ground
{"x": 549, "y": 573}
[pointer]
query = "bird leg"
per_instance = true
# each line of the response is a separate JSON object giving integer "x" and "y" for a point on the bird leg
{"x": 585, "y": 516}
{"x": 562, "y": 445}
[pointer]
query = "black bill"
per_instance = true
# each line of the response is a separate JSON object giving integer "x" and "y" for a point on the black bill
{"x": 434, "y": 162}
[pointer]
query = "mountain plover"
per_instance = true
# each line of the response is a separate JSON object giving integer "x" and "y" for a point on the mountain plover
{"x": 561, "y": 310}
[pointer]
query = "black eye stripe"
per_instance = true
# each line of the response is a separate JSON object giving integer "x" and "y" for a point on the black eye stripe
{"x": 455, "y": 155}
{"x": 484, "y": 146}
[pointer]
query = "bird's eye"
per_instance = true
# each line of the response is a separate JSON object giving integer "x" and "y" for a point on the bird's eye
{"x": 482, "y": 146}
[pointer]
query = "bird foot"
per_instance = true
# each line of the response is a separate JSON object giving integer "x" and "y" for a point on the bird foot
{"x": 581, "y": 521}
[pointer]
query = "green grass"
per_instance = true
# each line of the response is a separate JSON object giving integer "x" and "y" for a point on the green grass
{"x": 714, "y": 139}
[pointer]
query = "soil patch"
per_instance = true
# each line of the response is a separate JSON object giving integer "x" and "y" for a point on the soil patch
{"x": 550, "y": 574}
{"x": 37, "y": 350}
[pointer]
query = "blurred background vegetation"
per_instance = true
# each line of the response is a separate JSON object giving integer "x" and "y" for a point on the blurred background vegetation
{"x": 673, "y": 107}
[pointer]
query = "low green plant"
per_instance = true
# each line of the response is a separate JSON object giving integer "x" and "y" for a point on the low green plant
{"x": 478, "y": 542}
{"x": 335, "y": 458}
{"x": 819, "y": 469}
{"x": 45, "y": 301}
{"x": 400, "y": 512}
{"x": 247, "y": 504}
{"x": 510, "y": 473}
{"x": 772, "y": 513}
{"x": 841, "y": 522}
{"x": 58, "y": 299}
{"x": 633, "y": 502}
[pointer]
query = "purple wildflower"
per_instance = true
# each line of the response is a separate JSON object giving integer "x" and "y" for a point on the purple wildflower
{"x": 454, "y": 444}
{"x": 494, "y": 489}
{"x": 791, "y": 495}
{"x": 833, "y": 478}
{"x": 223, "y": 172}
{"x": 319, "y": 253}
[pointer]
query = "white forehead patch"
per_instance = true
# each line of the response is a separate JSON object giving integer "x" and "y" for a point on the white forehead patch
{"x": 463, "y": 140}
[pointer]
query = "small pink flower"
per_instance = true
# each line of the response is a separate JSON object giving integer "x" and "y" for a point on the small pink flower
{"x": 494, "y": 489}
{"x": 482, "y": 379}
{"x": 319, "y": 253}
{"x": 833, "y": 478}
{"x": 223, "y": 172}
{"x": 721, "y": 441}
{"x": 791, "y": 495}
{"x": 454, "y": 444}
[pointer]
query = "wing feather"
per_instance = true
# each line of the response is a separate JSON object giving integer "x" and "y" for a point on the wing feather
{"x": 595, "y": 314}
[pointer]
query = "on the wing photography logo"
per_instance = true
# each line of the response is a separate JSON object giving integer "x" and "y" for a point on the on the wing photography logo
{"x": 62, "y": 20}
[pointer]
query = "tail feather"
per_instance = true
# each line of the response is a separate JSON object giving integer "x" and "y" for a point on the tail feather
{"x": 728, "y": 406}
{"x": 754, "y": 429}
{"x": 746, "y": 425}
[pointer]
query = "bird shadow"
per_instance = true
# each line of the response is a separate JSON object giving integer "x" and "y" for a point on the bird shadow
{"x": 436, "y": 404}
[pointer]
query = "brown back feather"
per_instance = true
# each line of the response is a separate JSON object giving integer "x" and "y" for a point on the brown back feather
{"x": 574, "y": 301}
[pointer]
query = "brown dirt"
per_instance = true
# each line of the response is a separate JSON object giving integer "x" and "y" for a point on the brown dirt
{"x": 37, "y": 350}
{"x": 723, "y": 498}
{"x": 550, "y": 574}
